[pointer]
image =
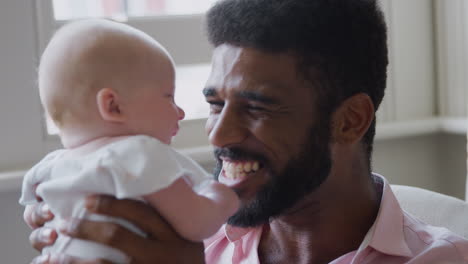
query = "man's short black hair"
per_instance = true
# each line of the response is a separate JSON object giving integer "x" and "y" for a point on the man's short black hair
{"x": 345, "y": 41}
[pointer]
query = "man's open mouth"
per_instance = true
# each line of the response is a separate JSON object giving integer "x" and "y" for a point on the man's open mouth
{"x": 234, "y": 172}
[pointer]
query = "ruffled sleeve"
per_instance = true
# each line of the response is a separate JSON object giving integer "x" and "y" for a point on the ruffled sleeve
{"x": 37, "y": 174}
{"x": 141, "y": 165}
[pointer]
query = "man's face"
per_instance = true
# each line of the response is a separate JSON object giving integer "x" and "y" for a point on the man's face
{"x": 272, "y": 147}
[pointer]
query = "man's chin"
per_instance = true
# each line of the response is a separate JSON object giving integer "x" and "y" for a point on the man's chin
{"x": 253, "y": 213}
{"x": 245, "y": 218}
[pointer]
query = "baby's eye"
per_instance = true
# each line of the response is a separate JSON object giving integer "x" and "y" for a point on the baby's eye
{"x": 170, "y": 96}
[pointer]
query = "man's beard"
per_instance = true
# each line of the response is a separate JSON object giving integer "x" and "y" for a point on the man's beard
{"x": 302, "y": 175}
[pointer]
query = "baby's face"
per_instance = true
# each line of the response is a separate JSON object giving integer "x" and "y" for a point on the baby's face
{"x": 152, "y": 111}
{"x": 132, "y": 67}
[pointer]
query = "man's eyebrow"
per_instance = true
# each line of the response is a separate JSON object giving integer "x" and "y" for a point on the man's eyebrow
{"x": 259, "y": 97}
{"x": 209, "y": 91}
{"x": 249, "y": 95}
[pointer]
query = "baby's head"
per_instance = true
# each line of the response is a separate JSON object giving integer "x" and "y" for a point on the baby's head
{"x": 101, "y": 78}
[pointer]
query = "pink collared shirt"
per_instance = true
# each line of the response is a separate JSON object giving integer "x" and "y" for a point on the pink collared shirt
{"x": 396, "y": 237}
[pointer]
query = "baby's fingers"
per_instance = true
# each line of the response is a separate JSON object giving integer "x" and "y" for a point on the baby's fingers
{"x": 42, "y": 237}
{"x": 36, "y": 215}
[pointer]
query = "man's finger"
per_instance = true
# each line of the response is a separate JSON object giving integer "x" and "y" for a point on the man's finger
{"x": 136, "y": 212}
{"x": 42, "y": 237}
{"x": 111, "y": 234}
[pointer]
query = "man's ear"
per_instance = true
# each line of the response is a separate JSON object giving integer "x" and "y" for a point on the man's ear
{"x": 352, "y": 119}
{"x": 109, "y": 105}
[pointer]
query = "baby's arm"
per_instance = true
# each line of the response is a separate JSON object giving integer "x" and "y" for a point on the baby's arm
{"x": 195, "y": 216}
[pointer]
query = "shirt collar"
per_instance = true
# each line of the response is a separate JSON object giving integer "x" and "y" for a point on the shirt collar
{"x": 234, "y": 233}
{"x": 386, "y": 234}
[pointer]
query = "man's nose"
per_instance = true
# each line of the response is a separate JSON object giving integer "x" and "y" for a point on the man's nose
{"x": 226, "y": 129}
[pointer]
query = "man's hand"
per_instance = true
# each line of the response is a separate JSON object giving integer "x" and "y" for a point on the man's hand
{"x": 62, "y": 259}
{"x": 162, "y": 245}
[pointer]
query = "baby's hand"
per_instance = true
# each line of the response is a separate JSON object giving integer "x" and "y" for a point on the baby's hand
{"x": 36, "y": 216}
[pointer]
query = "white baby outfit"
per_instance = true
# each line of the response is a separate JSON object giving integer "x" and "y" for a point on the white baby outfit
{"x": 127, "y": 168}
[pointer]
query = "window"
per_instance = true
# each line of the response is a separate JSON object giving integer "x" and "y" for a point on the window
{"x": 71, "y": 9}
{"x": 176, "y": 24}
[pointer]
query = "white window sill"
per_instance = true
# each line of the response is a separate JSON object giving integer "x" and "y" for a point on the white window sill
{"x": 11, "y": 181}
{"x": 392, "y": 130}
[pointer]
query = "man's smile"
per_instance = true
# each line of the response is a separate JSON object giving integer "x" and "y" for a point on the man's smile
{"x": 234, "y": 173}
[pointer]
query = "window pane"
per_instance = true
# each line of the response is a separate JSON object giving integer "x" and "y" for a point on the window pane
{"x": 72, "y": 9}
{"x": 190, "y": 81}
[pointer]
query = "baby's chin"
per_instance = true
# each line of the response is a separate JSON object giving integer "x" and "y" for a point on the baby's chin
{"x": 166, "y": 139}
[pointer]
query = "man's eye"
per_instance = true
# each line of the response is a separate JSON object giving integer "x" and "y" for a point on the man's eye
{"x": 254, "y": 108}
{"x": 258, "y": 111}
{"x": 216, "y": 107}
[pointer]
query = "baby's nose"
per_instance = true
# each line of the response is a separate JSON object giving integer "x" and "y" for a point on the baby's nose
{"x": 181, "y": 113}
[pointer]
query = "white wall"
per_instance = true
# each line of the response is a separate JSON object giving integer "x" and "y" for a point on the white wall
{"x": 452, "y": 169}
{"x": 18, "y": 108}
{"x": 14, "y": 233}
{"x": 436, "y": 162}
{"x": 17, "y": 71}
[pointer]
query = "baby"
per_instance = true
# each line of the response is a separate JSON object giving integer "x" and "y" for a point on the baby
{"x": 109, "y": 88}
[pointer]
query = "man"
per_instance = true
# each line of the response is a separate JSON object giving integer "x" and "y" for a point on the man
{"x": 294, "y": 88}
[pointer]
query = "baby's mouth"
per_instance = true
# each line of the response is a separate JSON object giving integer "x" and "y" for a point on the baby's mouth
{"x": 176, "y": 130}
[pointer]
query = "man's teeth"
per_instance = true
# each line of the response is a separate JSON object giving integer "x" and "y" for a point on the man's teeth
{"x": 247, "y": 167}
{"x": 235, "y": 170}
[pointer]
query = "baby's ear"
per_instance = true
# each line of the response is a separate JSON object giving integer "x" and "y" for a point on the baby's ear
{"x": 109, "y": 105}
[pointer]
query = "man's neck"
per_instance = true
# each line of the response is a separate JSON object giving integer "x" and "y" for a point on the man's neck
{"x": 319, "y": 230}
